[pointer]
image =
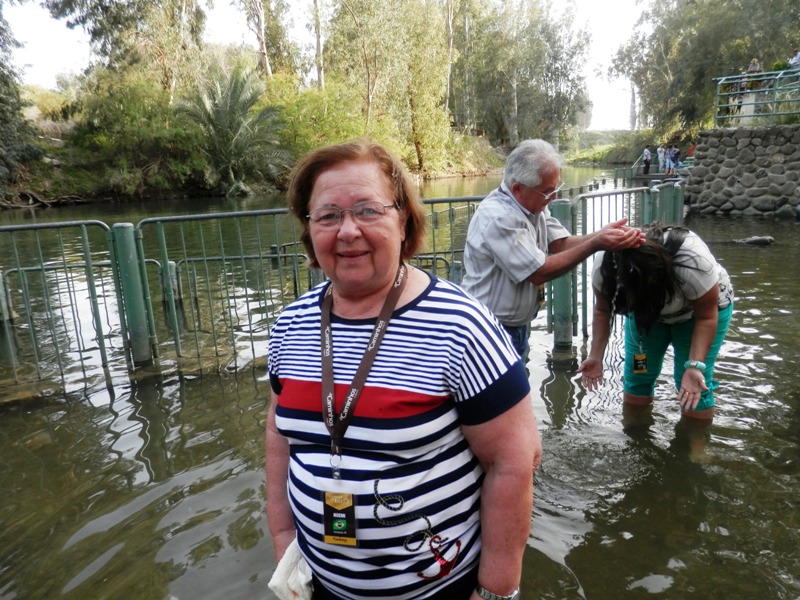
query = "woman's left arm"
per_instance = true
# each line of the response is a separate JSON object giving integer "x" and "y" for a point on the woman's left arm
{"x": 509, "y": 450}
{"x": 706, "y": 314}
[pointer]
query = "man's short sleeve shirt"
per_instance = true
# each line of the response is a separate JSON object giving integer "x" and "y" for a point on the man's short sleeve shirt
{"x": 505, "y": 245}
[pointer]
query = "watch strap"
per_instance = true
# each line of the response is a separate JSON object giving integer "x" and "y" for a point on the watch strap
{"x": 487, "y": 595}
{"x": 694, "y": 364}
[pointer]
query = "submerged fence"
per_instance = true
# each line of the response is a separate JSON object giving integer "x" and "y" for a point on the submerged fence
{"x": 84, "y": 304}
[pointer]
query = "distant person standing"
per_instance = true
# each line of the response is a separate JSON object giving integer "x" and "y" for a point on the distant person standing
{"x": 675, "y": 158}
{"x": 662, "y": 161}
{"x": 794, "y": 60}
{"x": 646, "y": 160}
{"x": 754, "y": 66}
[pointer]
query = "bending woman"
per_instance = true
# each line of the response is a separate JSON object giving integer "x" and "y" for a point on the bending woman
{"x": 673, "y": 292}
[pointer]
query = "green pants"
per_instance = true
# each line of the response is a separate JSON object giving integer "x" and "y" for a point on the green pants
{"x": 654, "y": 345}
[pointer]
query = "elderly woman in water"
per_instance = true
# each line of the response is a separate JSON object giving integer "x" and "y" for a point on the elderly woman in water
{"x": 401, "y": 441}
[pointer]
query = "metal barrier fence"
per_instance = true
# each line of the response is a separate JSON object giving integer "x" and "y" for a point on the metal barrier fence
{"x": 83, "y": 304}
{"x": 751, "y": 99}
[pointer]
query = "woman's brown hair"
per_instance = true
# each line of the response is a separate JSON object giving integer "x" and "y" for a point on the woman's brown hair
{"x": 406, "y": 195}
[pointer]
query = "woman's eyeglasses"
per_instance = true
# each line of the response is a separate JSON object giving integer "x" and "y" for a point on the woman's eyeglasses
{"x": 363, "y": 212}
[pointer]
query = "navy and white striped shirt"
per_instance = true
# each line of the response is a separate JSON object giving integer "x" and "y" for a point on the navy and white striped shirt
{"x": 444, "y": 362}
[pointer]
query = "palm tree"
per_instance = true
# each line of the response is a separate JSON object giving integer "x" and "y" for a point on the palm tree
{"x": 239, "y": 140}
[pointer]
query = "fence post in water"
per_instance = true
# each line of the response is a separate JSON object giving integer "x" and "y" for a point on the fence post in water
{"x": 169, "y": 279}
{"x": 648, "y": 201}
{"x": 6, "y": 312}
{"x": 563, "y": 351}
{"x": 135, "y": 313}
{"x": 677, "y": 203}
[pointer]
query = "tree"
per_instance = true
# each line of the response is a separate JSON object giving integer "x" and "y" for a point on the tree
{"x": 523, "y": 67}
{"x": 165, "y": 34}
{"x": 239, "y": 140}
{"x": 427, "y": 66}
{"x": 680, "y": 46}
{"x": 319, "y": 61}
{"x": 123, "y": 126}
{"x": 254, "y": 9}
{"x": 366, "y": 48}
{"x": 559, "y": 76}
{"x": 16, "y": 145}
{"x": 267, "y": 20}
{"x": 395, "y": 54}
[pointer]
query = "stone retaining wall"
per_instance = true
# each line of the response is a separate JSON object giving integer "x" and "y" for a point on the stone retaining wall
{"x": 752, "y": 171}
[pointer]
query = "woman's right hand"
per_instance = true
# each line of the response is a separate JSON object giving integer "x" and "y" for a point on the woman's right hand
{"x": 281, "y": 542}
{"x": 592, "y": 373}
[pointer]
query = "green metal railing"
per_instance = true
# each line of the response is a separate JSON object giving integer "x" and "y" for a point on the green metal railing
{"x": 752, "y": 99}
{"x": 82, "y": 303}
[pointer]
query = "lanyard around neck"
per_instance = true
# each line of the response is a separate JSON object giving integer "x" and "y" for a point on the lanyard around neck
{"x": 337, "y": 423}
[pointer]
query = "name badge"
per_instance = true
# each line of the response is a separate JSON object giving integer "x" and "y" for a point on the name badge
{"x": 339, "y": 519}
{"x": 640, "y": 363}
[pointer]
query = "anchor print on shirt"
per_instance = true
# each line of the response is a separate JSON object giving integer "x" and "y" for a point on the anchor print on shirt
{"x": 394, "y": 503}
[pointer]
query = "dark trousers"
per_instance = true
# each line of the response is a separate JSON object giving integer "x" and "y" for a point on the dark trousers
{"x": 519, "y": 338}
{"x": 646, "y": 169}
{"x": 460, "y": 589}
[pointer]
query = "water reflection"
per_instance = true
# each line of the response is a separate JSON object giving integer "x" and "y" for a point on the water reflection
{"x": 153, "y": 489}
{"x": 154, "y": 494}
{"x": 627, "y": 512}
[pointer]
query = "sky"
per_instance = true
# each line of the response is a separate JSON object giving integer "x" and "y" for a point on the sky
{"x": 51, "y": 48}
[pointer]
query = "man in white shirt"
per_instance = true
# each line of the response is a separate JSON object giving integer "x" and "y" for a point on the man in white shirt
{"x": 514, "y": 246}
{"x": 662, "y": 161}
{"x": 646, "y": 160}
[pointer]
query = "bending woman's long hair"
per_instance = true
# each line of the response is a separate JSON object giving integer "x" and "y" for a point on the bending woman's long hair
{"x": 640, "y": 281}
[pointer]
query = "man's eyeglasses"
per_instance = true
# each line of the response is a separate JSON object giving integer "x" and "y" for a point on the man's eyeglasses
{"x": 552, "y": 194}
{"x": 363, "y": 212}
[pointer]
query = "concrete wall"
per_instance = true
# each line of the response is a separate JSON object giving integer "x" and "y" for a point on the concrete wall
{"x": 752, "y": 171}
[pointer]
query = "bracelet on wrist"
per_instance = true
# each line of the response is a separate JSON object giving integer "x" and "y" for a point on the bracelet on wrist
{"x": 694, "y": 364}
{"x": 487, "y": 595}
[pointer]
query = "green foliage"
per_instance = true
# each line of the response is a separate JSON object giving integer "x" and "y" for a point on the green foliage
{"x": 16, "y": 143}
{"x": 237, "y": 140}
{"x": 315, "y": 117}
{"x": 433, "y": 80}
{"x": 518, "y": 74}
{"x": 125, "y": 122}
{"x": 682, "y": 45}
{"x": 622, "y": 147}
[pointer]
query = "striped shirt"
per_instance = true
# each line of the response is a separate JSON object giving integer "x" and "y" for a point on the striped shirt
{"x": 444, "y": 362}
{"x": 505, "y": 245}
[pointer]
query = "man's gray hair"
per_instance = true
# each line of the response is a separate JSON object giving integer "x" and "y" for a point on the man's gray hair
{"x": 530, "y": 161}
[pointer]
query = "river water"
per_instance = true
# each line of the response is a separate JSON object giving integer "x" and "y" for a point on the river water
{"x": 154, "y": 490}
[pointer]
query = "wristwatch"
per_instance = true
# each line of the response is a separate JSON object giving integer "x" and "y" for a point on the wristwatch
{"x": 694, "y": 364}
{"x": 487, "y": 595}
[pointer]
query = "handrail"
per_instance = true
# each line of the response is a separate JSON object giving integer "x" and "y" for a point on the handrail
{"x": 748, "y": 99}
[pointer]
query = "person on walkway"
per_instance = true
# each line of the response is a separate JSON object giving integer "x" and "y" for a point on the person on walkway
{"x": 646, "y": 156}
{"x": 660, "y": 153}
{"x": 754, "y": 66}
{"x": 672, "y": 292}
{"x": 401, "y": 441}
{"x": 674, "y": 159}
{"x": 514, "y": 246}
{"x": 794, "y": 60}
